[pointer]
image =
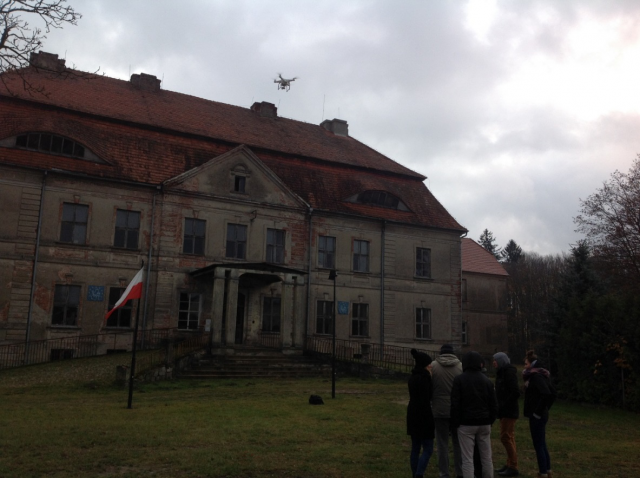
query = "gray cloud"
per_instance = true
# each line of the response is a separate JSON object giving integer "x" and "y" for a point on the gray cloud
{"x": 410, "y": 78}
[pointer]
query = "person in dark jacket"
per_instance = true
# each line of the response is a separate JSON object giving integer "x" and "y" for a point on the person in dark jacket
{"x": 420, "y": 425}
{"x": 539, "y": 395}
{"x": 473, "y": 409}
{"x": 507, "y": 392}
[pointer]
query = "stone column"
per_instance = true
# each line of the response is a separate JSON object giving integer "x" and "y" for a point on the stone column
{"x": 287, "y": 311}
{"x": 217, "y": 305}
{"x": 232, "y": 306}
{"x": 299, "y": 311}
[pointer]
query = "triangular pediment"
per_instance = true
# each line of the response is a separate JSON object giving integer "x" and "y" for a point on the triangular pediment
{"x": 238, "y": 174}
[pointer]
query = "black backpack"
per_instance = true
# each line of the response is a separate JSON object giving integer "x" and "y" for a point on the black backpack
{"x": 315, "y": 400}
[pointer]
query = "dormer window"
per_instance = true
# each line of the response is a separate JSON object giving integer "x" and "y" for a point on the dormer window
{"x": 51, "y": 143}
{"x": 379, "y": 198}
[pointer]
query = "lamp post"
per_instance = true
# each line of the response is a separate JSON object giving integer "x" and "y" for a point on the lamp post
{"x": 332, "y": 276}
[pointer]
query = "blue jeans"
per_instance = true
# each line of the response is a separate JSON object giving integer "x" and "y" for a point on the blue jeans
{"x": 537, "y": 426}
{"x": 419, "y": 462}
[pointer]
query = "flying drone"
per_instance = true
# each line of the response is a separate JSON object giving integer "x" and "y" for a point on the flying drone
{"x": 284, "y": 83}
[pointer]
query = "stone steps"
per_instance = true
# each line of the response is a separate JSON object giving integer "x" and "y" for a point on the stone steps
{"x": 256, "y": 363}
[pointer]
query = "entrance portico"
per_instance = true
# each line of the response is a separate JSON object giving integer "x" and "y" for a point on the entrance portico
{"x": 256, "y": 304}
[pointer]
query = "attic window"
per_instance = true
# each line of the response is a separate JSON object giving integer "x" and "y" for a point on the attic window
{"x": 239, "y": 184}
{"x": 379, "y": 198}
{"x": 51, "y": 143}
{"x": 239, "y": 176}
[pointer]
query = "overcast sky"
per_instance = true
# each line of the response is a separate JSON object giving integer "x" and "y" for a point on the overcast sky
{"x": 513, "y": 110}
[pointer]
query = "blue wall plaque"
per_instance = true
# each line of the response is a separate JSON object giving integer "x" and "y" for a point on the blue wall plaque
{"x": 95, "y": 293}
{"x": 343, "y": 308}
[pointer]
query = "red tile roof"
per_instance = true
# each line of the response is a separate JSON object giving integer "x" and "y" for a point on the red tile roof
{"x": 121, "y": 100}
{"x": 150, "y": 137}
{"x": 476, "y": 258}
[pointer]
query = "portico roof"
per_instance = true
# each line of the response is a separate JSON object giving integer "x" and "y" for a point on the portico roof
{"x": 250, "y": 266}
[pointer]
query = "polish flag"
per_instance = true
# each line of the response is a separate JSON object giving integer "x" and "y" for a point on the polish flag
{"x": 133, "y": 291}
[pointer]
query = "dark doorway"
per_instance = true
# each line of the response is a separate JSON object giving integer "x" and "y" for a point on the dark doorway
{"x": 242, "y": 300}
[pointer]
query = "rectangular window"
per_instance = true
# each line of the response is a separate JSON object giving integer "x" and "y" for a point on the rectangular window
{"x": 66, "y": 300}
{"x": 275, "y": 246}
{"x": 189, "y": 311}
{"x": 236, "y": 241}
{"x": 127, "y": 229}
{"x": 326, "y": 252}
{"x": 271, "y": 315}
{"x": 464, "y": 336}
{"x": 121, "y": 317}
{"x": 423, "y": 323}
{"x": 324, "y": 317}
{"x": 239, "y": 184}
{"x": 360, "y": 320}
{"x": 423, "y": 262}
{"x": 360, "y": 256}
{"x": 194, "y": 236}
{"x": 74, "y": 223}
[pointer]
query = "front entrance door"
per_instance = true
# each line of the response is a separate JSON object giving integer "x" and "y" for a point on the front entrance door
{"x": 242, "y": 300}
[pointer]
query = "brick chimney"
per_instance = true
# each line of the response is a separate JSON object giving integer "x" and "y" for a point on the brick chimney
{"x": 264, "y": 109}
{"x": 145, "y": 82}
{"x": 46, "y": 61}
{"x": 336, "y": 126}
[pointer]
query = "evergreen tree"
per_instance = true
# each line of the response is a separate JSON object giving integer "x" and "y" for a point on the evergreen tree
{"x": 511, "y": 253}
{"x": 489, "y": 243}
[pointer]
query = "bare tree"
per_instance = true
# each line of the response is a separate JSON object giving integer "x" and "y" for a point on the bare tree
{"x": 19, "y": 39}
{"x": 610, "y": 221}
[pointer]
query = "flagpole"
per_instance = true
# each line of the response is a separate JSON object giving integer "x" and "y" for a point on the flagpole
{"x": 133, "y": 353}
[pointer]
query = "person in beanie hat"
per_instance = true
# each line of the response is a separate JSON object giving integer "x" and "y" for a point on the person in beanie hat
{"x": 419, "y": 416}
{"x": 507, "y": 392}
{"x": 443, "y": 370}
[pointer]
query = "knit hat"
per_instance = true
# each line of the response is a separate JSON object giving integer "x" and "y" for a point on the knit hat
{"x": 501, "y": 359}
{"x": 446, "y": 349}
{"x": 422, "y": 359}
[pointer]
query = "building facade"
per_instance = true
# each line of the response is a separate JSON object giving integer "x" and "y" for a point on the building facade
{"x": 239, "y": 216}
{"x": 484, "y": 301}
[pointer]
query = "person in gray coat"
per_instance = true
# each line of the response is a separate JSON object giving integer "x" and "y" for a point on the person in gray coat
{"x": 443, "y": 370}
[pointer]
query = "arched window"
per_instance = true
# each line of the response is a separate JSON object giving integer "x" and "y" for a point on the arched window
{"x": 51, "y": 143}
{"x": 379, "y": 198}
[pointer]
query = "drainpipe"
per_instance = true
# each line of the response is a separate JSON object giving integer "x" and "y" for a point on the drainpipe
{"x": 382, "y": 239}
{"x": 306, "y": 332}
{"x": 34, "y": 271}
{"x": 462, "y": 317}
{"x": 146, "y": 286}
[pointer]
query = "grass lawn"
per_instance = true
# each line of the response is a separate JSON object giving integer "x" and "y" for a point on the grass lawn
{"x": 67, "y": 420}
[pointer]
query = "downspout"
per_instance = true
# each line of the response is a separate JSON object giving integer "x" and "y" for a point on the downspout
{"x": 382, "y": 239}
{"x": 460, "y": 299}
{"x": 306, "y": 332}
{"x": 146, "y": 286}
{"x": 34, "y": 271}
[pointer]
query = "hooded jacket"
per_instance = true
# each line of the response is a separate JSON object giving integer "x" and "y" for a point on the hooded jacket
{"x": 473, "y": 398}
{"x": 443, "y": 370}
{"x": 507, "y": 388}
